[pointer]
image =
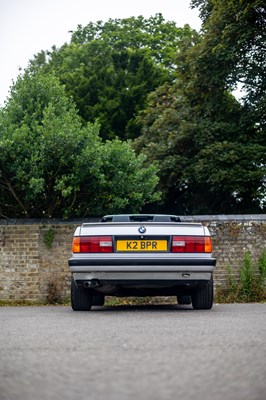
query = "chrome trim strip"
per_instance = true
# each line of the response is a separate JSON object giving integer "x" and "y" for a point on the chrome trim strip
{"x": 142, "y": 276}
{"x": 142, "y": 268}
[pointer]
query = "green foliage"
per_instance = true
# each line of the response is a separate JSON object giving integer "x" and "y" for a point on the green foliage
{"x": 109, "y": 68}
{"x": 146, "y": 79}
{"x": 48, "y": 237}
{"x": 213, "y": 163}
{"x": 234, "y": 44}
{"x": 248, "y": 286}
{"x": 133, "y": 185}
{"x": 210, "y": 148}
{"x": 52, "y": 166}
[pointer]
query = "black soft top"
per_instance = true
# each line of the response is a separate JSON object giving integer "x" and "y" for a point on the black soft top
{"x": 140, "y": 218}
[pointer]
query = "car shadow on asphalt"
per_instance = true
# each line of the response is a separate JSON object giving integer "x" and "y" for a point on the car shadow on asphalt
{"x": 143, "y": 308}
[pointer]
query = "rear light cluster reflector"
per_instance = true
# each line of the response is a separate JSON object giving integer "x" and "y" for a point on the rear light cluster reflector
{"x": 92, "y": 244}
{"x": 191, "y": 244}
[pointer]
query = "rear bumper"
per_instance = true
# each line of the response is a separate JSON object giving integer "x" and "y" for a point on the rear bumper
{"x": 142, "y": 271}
{"x": 137, "y": 276}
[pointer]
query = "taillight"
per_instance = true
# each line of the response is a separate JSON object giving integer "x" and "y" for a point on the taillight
{"x": 191, "y": 244}
{"x": 92, "y": 244}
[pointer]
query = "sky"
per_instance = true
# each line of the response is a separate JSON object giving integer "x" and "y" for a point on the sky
{"x": 29, "y": 26}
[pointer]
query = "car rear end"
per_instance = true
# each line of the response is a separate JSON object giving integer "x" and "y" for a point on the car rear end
{"x": 142, "y": 257}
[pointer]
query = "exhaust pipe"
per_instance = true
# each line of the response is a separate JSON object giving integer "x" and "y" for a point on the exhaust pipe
{"x": 91, "y": 284}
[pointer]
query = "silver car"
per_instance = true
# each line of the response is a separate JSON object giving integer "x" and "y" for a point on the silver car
{"x": 141, "y": 255}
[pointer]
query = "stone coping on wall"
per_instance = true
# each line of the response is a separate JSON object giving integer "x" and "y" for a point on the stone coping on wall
{"x": 184, "y": 218}
{"x": 225, "y": 218}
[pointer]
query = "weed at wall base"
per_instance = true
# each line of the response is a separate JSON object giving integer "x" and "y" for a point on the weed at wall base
{"x": 248, "y": 286}
{"x": 53, "y": 293}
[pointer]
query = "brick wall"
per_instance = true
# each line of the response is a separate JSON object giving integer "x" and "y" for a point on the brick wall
{"x": 34, "y": 254}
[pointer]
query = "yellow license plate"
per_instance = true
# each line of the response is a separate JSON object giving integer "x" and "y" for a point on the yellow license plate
{"x": 141, "y": 245}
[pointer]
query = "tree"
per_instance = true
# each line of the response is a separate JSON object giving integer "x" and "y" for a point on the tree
{"x": 53, "y": 166}
{"x": 109, "y": 68}
{"x": 206, "y": 165}
{"x": 234, "y": 43}
{"x": 232, "y": 53}
{"x": 209, "y": 147}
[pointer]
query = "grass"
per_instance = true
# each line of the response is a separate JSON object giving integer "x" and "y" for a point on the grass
{"x": 28, "y": 303}
{"x": 135, "y": 301}
{"x": 109, "y": 301}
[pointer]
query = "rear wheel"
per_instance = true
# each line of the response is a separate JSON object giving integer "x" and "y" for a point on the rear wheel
{"x": 81, "y": 300}
{"x": 202, "y": 299}
{"x": 184, "y": 300}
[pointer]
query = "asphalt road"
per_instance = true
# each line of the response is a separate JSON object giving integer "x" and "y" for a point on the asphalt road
{"x": 138, "y": 352}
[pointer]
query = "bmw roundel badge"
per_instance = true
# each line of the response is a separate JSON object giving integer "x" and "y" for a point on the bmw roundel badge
{"x": 142, "y": 229}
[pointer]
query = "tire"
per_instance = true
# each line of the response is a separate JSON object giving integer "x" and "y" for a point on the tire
{"x": 202, "y": 299}
{"x": 184, "y": 300}
{"x": 81, "y": 300}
